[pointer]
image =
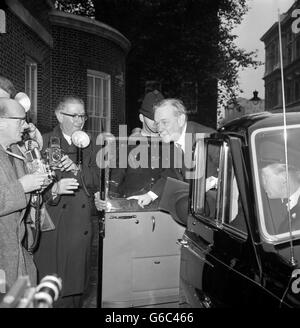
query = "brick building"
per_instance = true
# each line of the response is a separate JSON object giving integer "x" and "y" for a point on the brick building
{"x": 291, "y": 63}
{"x": 49, "y": 54}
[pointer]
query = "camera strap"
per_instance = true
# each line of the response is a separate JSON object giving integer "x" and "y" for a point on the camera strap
{"x": 15, "y": 155}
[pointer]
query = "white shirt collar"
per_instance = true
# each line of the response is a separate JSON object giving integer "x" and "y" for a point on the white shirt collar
{"x": 181, "y": 140}
{"x": 68, "y": 138}
{"x": 294, "y": 198}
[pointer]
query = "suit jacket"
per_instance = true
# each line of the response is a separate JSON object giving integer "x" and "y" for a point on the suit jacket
{"x": 144, "y": 167}
{"x": 182, "y": 173}
{"x": 14, "y": 259}
{"x": 66, "y": 249}
{"x": 295, "y": 219}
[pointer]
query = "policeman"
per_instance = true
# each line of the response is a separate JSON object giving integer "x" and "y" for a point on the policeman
{"x": 138, "y": 180}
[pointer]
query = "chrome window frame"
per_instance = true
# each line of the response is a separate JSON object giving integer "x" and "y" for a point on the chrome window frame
{"x": 272, "y": 239}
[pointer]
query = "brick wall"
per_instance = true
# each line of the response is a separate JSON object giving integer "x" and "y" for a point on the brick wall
{"x": 73, "y": 53}
{"x": 62, "y": 69}
{"x": 18, "y": 42}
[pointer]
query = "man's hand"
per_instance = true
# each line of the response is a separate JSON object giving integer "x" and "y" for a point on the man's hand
{"x": 66, "y": 164}
{"x": 33, "y": 182}
{"x": 101, "y": 205}
{"x": 211, "y": 183}
{"x": 143, "y": 200}
{"x": 65, "y": 186}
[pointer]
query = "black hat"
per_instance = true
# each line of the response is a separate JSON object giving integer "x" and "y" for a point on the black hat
{"x": 151, "y": 99}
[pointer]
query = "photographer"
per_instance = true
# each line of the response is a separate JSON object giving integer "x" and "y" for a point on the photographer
{"x": 66, "y": 249}
{"x": 15, "y": 194}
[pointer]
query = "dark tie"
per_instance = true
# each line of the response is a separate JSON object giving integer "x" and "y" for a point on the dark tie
{"x": 179, "y": 159}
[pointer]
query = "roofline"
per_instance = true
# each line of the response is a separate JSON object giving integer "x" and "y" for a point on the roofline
{"x": 285, "y": 18}
{"x": 89, "y": 25}
{"x": 26, "y": 17}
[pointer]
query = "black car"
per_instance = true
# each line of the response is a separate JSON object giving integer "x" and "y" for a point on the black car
{"x": 234, "y": 251}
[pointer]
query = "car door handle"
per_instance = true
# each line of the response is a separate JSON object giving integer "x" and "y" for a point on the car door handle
{"x": 153, "y": 223}
{"x": 182, "y": 242}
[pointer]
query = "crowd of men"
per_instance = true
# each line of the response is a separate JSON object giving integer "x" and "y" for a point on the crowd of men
{"x": 70, "y": 198}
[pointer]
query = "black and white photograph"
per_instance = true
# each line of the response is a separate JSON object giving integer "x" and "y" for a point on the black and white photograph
{"x": 149, "y": 157}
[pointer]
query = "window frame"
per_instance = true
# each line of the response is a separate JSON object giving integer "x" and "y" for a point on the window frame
{"x": 32, "y": 92}
{"x": 104, "y": 77}
{"x": 269, "y": 238}
{"x": 222, "y": 204}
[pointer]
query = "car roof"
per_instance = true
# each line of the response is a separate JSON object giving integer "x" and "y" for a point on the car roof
{"x": 248, "y": 123}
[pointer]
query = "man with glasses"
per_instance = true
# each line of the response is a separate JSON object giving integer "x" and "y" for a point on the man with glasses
{"x": 66, "y": 250}
{"x": 15, "y": 190}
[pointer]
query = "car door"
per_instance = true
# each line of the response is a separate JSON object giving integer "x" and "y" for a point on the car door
{"x": 219, "y": 263}
{"x": 141, "y": 259}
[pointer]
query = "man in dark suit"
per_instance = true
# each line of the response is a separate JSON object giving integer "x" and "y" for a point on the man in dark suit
{"x": 66, "y": 249}
{"x": 281, "y": 198}
{"x": 171, "y": 120}
{"x": 140, "y": 174}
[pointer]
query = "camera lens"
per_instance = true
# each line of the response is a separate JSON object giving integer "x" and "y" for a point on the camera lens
{"x": 56, "y": 156}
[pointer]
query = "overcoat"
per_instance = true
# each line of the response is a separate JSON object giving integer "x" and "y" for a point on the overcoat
{"x": 65, "y": 250}
{"x": 14, "y": 258}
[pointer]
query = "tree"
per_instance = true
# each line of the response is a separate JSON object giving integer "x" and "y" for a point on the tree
{"x": 180, "y": 41}
{"x": 77, "y": 7}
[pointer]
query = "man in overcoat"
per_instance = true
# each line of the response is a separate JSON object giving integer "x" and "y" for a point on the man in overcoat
{"x": 66, "y": 249}
{"x": 15, "y": 192}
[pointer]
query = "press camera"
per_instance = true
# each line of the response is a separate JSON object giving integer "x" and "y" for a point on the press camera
{"x": 54, "y": 153}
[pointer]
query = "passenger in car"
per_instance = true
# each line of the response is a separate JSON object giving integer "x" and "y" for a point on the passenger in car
{"x": 274, "y": 181}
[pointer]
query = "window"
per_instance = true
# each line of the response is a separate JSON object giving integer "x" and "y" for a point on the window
{"x": 216, "y": 198}
{"x": 270, "y": 173}
{"x": 297, "y": 88}
{"x": 204, "y": 195}
{"x": 31, "y": 87}
{"x": 289, "y": 90}
{"x": 98, "y": 102}
{"x": 232, "y": 214}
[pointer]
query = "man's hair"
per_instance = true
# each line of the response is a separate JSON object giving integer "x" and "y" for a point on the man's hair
{"x": 280, "y": 169}
{"x": 68, "y": 100}
{"x": 176, "y": 104}
{"x": 7, "y": 86}
{"x": 5, "y": 104}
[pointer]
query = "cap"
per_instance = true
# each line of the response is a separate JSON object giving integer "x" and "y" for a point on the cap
{"x": 150, "y": 99}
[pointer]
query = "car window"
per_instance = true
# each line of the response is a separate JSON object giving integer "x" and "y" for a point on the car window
{"x": 232, "y": 214}
{"x": 211, "y": 179}
{"x": 135, "y": 164}
{"x": 216, "y": 195}
{"x": 204, "y": 186}
{"x": 277, "y": 180}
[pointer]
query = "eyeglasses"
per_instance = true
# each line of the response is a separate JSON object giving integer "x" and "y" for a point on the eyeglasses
{"x": 77, "y": 116}
{"x": 22, "y": 119}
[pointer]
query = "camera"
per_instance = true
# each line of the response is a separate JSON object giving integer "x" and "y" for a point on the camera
{"x": 54, "y": 153}
{"x": 36, "y": 164}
